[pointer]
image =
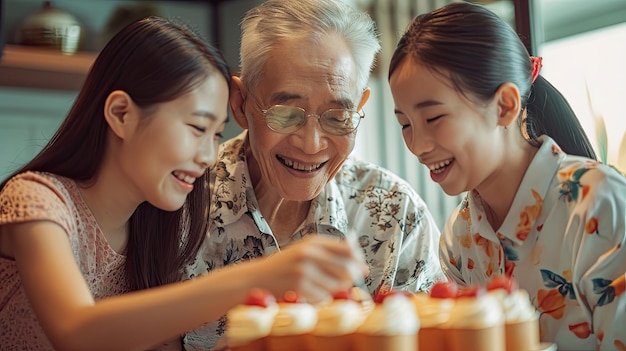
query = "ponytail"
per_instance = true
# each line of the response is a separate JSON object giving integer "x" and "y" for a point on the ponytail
{"x": 549, "y": 113}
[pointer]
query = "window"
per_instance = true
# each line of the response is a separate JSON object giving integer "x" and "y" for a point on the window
{"x": 582, "y": 44}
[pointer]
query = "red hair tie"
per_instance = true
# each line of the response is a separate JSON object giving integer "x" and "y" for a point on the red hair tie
{"x": 536, "y": 67}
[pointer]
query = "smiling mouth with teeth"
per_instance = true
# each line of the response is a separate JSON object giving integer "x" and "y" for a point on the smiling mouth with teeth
{"x": 299, "y": 166}
{"x": 440, "y": 166}
{"x": 183, "y": 177}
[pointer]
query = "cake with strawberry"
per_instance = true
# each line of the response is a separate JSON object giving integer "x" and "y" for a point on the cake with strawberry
{"x": 392, "y": 325}
{"x": 433, "y": 310}
{"x": 292, "y": 325}
{"x": 476, "y": 320}
{"x": 337, "y": 320}
{"x": 521, "y": 326}
{"x": 249, "y": 324}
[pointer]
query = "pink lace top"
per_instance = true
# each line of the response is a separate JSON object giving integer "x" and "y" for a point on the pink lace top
{"x": 33, "y": 196}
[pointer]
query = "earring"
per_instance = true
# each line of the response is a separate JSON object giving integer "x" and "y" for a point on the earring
{"x": 505, "y": 128}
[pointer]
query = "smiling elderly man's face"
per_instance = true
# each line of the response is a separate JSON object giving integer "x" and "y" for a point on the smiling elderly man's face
{"x": 314, "y": 77}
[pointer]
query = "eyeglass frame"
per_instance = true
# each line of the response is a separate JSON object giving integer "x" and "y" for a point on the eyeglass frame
{"x": 361, "y": 115}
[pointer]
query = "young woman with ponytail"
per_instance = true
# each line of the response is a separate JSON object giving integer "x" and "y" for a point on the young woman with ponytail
{"x": 539, "y": 207}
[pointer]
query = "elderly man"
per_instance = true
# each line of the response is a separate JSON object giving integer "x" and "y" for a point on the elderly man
{"x": 304, "y": 70}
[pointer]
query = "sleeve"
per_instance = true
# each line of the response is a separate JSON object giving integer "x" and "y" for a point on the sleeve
{"x": 600, "y": 263}
{"x": 418, "y": 260}
{"x": 33, "y": 197}
{"x": 205, "y": 337}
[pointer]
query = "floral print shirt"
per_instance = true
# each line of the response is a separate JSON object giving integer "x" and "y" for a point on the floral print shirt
{"x": 395, "y": 229}
{"x": 563, "y": 241}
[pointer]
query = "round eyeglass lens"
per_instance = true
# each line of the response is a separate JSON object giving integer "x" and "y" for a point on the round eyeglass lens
{"x": 284, "y": 119}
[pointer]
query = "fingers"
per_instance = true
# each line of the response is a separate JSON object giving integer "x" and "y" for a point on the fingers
{"x": 355, "y": 264}
{"x": 317, "y": 267}
{"x": 321, "y": 263}
{"x": 361, "y": 270}
{"x": 311, "y": 291}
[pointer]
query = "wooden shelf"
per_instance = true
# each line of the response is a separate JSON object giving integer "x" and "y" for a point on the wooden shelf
{"x": 37, "y": 68}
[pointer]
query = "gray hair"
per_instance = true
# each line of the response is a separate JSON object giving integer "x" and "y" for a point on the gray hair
{"x": 276, "y": 20}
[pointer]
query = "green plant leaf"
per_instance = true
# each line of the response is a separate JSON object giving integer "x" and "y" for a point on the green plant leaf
{"x": 600, "y": 126}
{"x": 621, "y": 155}
{"x": 602, "y": 138}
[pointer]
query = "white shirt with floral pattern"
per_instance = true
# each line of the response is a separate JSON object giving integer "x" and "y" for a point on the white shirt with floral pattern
{"x": 562, "y": 240}
{"x": 398, "y": 234}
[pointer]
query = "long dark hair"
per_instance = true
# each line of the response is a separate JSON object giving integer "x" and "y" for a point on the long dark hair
{"x": 480, "y": 52}
{"x": 154, "y": 60}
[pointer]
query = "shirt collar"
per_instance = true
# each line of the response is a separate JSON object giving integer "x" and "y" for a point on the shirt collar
{"x": 528, "y": 200}
{"x": 534, "y": 188}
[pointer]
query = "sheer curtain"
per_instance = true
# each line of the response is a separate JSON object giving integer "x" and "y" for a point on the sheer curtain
{"x": 379, "y": 139}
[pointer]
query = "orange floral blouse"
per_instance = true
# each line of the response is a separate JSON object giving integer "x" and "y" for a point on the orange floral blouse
{"x": 563, "y": 241}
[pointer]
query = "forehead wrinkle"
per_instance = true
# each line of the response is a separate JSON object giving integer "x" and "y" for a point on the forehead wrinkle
{"x": 339, "y": 95}
{"x": 281, "y": 97}
{"x": 310, "y": 73}
{"x": 338, "y": 72}
{"x": 340, "y": 86}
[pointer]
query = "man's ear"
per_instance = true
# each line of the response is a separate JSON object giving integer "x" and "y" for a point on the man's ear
{"x": 364, "y": 98}
{"x": 116, "y": 112}
{"x": 237, "y": 100}
{"x": 509, "y": 104}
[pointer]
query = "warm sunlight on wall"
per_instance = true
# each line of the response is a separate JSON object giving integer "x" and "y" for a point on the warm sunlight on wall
{"x": 590, "y": 70}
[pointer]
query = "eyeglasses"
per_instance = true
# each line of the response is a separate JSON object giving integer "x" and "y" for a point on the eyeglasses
{"x": 287, "y": 119}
